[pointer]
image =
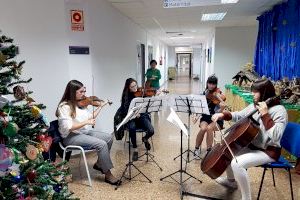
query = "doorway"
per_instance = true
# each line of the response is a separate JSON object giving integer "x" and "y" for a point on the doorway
{"x": 184, "y": 64}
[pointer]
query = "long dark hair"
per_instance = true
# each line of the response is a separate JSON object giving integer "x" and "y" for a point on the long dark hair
{"x": 126, "y": 89}
{"x": 212, "y": 80}
{"x": 266, "y": 89}
{"x": 69, "y": 96}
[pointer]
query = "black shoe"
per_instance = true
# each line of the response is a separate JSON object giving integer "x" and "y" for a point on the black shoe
{"x": 147, "y": 144}
{"x": 98, "y": 168}
{"x": 113, "y": 183}
{"x": 135, "y": 156}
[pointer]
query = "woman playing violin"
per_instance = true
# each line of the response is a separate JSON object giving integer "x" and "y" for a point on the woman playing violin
{"x": 75, "y": 125}
{"x": 265, "y": 148}
{"x": 215, "y": 103}
{"x": 142, "y": 121}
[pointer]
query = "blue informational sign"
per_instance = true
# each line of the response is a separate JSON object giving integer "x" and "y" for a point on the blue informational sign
{"x": 79, "y": 50}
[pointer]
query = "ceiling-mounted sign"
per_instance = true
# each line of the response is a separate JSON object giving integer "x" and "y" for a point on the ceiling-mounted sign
{"x": 77, "y": 23}
{"x": 189, "y": 3}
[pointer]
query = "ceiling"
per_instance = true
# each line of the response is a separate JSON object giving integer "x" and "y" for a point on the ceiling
{"x": 168, "y": 23}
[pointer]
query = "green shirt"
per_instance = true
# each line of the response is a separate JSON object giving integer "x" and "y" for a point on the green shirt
{"x": 156, "y": 73}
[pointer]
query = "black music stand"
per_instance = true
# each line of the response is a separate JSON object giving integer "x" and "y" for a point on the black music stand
{"x": 148, "y": 105}
{"x": 130, "y": 115}
{"x": 173, "y": 118}
{"x": 191, "y": 104}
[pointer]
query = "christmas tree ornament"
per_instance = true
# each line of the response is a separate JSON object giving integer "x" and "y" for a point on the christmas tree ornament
{"x": 31, "y": 152}
{"x": 19, "y": 92}
{"x": 11, "y": 129}
{"x": 44, "y": 120}
{"x": 6, "y": 158}
{"x": 46, "y": 143}
{"x": 41, "y": 137}
{"x": 14, "y": 170}
{"x": 3, "y": 101}
{"x": 31, "y": 175}
{"x": 36, "y": 112}
{"x": 57, "y": 188}
{"x": 17, "y": 179}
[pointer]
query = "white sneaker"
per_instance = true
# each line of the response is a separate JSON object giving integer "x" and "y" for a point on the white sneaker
{"x": 197, "y": 153}
{"x": 227, "y": 183}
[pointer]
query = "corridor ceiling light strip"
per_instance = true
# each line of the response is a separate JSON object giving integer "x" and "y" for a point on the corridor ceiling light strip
{"x": 229, "y": 1}
{"x": 182, "y": 37}
{"x": 213, "y": 16}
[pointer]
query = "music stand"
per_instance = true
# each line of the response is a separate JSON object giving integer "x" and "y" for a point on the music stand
{"x": 148, "y": 105}
{"x": 132, "y": 113}
{"x": 191, "y": 104}
{"x": 173, "y": 118}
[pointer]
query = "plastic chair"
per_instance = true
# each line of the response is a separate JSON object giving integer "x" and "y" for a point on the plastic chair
{"x": 82, "y": 151}
{"x": 290, "y": 142}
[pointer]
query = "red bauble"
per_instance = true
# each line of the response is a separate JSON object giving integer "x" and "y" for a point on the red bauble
{"x": 31, "y": 175}
{"x": 41, "y": 137}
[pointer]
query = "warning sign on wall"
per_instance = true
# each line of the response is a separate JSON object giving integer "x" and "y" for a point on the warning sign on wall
{"x": 77, "y": 23}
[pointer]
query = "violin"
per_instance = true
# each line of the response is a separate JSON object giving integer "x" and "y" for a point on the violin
{"x": 145, "y": 92}
{"x": 93, "y": 101}
{"x": 215, "y": 96}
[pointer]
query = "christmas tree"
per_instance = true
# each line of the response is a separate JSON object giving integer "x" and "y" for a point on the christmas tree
{"x": 24, "y": 174}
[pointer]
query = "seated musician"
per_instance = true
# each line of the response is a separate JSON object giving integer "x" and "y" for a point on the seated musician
{"x": 265, "y": 148}
{"x": 75, "y": 125}
{"x": 142, "y": 121}
{"x": 206, "y": 124}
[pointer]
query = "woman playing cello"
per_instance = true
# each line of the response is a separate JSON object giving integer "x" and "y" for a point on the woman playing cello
{"x": 265, "y": 147}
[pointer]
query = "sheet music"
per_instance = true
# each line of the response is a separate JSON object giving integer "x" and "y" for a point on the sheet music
{"x": 198, "y": 103}
{"x": 132, "y": 113}
{"x": 174, "y": 119}
{"x": 148, "y": 104}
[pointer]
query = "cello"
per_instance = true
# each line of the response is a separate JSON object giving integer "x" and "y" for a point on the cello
{"x": 239, "y": 136}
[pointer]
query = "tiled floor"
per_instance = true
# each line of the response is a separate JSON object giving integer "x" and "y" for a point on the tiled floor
{"x": 167, "y": 146}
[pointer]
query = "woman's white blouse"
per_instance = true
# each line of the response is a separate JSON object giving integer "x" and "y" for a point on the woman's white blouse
{"x": 65, "y": 121}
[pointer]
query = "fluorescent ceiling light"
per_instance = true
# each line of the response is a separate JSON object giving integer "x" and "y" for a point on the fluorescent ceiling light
{"x": 213, "y": 16}
{"x": 229, "y": 1}
{"x": 182, "y": 37}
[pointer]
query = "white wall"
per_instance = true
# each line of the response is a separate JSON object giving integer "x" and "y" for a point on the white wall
{"x": 234, "y": 47}
{"x": 42, "y": 30}
{"x": 80, "y": 67}
{"x": 171, "y": 57}
{"x": 208, "y": 67}
{"x": 197, "y": 58}
{"x": 159, "y": 50}
{"x": 38, "y": 28}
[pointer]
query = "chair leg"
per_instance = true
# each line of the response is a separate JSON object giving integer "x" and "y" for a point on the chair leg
{"x": 87, "y": 168}
{"x": 261, "y": 183}
{"x": 64, "y": 155}
{"x": 291, "y": 185}
{"x": 273, "y": 177}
